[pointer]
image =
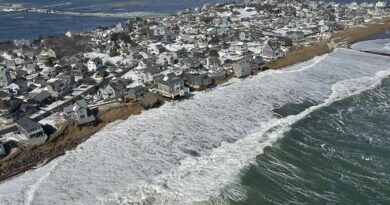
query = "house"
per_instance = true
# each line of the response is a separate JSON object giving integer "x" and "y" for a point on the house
{"x": 271, "y": 49}
{"x": 156, "y": 49}
{"x": 171, "y": 86}
{"x": 160, "y": 31}
{"x": 181, "y": 53}
{"x": 168, "y": 38}
{"x": 10, "y": 110}
{"x": 32, "y": 68}
{"x": 31, "y": 130}
{"x": 41, "y": 98}
{"x": 242, "y": 69}
{"x": 296, "y": 36}
{"x": 5, "y": 76}
{"x": 80, "y": 113}
{"x": 114, "y": 90}
{"x": 165, "y": 59}
{"x": 213, "y": 61}
{"x": 245, "y": 36}
{"x": 257, "y": 63}
{"x": 20, "y": 84}
{"x": 10, "y": 64}
{"x": 217, "y": 74}
{"x": 29, "y": 108}
{"x": 59, "y": 88}
{"x": 197, "y": 81}
{"x": 150, "y": 74}
{"x": 135, "y": 92}
{"x": 47, "y": 54}
{"x": 95, "y": 64}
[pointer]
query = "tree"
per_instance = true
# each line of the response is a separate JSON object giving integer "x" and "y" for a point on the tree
{"x": 114, "y": 52}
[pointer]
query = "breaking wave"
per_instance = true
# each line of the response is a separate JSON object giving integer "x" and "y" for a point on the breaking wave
{"x": 194, "y": 181}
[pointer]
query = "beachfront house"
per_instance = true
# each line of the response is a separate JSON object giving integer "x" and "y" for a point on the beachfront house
{"x": 242, "y": 69}
{"x": 31, "y": 131}
{"x": 135, "y": 92}
{"x": 171, "y": 86}
{"x": 114, "y": 90}
{"x": 197, "y": 81}
{"x": 257, "y": 62}
{"x": 271, "y": 50}
{"x": 80, "y": 113}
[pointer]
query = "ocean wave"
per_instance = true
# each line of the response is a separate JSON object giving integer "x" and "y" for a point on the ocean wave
{"x": 379, "y": 46}
{"x": 193, "y": 182}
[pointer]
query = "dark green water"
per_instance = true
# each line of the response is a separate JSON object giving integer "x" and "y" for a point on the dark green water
{"x": 339, "y": 154}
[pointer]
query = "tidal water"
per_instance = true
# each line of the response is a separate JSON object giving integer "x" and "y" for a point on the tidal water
{"x": 338, "y": 154}
{"x": 21, "y": 25}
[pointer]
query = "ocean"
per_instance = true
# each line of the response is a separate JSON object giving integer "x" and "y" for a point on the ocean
{"x": 21, "y": 25}
{"x": 314, "y": 133}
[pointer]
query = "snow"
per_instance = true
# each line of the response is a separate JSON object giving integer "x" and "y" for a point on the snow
{"x": 54, "y": 120}
{"x": 146, "y": 156}
{"x": 178, "y": 46}
{"x": 53, "y": 105}
{"x": 132, "y": 74}
{"x": 6, "y": 56}
{"x": 105, "y": 57}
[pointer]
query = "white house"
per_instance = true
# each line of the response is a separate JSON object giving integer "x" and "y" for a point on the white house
{"x": 165, "y": 59}
{"x": 32, "y": 131}
{"x": 271, "y": 50}
{"x": 94, "y": 64}
{"x": 380, "y": 4}
{"x": 79, "y": 112}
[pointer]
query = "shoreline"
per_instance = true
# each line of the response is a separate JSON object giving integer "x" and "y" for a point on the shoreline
{"x": 68, "y": 136}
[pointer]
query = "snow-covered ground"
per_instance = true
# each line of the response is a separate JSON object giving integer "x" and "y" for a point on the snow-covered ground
{"x": 379, "y": 46}
{"x": 105, "y": 57}
{"x": 150, "y": 156}
{"x": 54, "y": 120}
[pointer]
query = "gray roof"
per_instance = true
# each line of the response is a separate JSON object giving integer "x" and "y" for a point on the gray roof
{"x": 77, "y": 105}
{"x": 40, "y": 96}
{"x": 27, "y": 123}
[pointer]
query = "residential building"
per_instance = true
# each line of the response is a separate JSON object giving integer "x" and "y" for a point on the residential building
{"x": 5, "y": 76}
{"x": 171, "y": 86}
{"x": 242, "y": 69}
{"x": 32, "y": 131}
{"x": 80, "y": 113}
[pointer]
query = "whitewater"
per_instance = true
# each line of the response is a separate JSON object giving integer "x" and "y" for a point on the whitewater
{"x": 193, "y": 152}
